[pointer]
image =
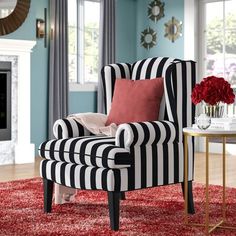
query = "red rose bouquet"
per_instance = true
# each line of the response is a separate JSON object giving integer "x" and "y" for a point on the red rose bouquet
{"x": 213, "y": 90}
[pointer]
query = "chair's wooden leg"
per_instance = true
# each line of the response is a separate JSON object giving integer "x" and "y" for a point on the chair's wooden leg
{"x": 48, "y": 190}
{"x": 122, "y": 196}
{"x": 114, "y": 209}
{"x": 190, "y": 197}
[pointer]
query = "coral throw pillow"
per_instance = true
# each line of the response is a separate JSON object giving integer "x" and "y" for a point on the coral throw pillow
{"x": 136, "y": 101}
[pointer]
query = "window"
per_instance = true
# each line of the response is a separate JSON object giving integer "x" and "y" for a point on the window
{"x": 83, "y": 31}
{"x": 218, "y": 40}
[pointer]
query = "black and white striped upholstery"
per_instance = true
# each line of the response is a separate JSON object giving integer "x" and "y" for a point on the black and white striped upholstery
{"x": 155, "y": 147}
{"x": 89, "y": 151}
{"x": 86, "y": 177}
{"x": 143, "y": 154}
{"x": 176, "y": 106}
{"x": 69, "y": 128}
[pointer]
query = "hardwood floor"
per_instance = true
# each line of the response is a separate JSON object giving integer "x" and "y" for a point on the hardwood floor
{"x": 16, "y": 172}
{"x": 215, "y": 169}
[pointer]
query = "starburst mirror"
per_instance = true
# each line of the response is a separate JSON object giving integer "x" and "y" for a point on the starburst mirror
{"x": 173, "y": 29}
{"x": 148, "y": 38}
{"x": 156, "y": 10}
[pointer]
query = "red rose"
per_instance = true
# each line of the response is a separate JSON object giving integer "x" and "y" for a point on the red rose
{"x": 213, "y": 90}
{"x": 197, "y": 94}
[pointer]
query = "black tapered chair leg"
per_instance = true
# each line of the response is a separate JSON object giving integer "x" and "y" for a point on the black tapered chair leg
{"x": 48, "y": 190}
{"x": 190, "y": 197}
{"x": 122, "y": 196}
{"x": 114, "y": 209}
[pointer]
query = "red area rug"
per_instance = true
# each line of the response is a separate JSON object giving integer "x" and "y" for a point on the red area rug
{"x": 155, "y": 211}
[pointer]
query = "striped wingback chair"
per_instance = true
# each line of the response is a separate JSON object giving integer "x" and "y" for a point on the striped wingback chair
{"x": 141, "y": 155}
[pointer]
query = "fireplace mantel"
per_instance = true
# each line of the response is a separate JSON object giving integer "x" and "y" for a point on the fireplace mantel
{"x": 14, "y": 47}
{"x": 24, "y": 150}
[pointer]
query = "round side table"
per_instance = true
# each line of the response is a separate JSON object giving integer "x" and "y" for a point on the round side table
{"x": 209, "y": 133}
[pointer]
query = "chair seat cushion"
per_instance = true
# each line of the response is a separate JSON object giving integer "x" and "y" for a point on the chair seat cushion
{"x": 99, "y": 151}
{"x": 87, "y": 177}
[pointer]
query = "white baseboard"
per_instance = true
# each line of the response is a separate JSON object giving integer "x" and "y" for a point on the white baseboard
{"x": 216, "y": 148}
{"x": 24, "y": 153}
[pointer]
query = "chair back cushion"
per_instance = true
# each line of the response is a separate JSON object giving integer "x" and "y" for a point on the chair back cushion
{"x": 150, "y": 68}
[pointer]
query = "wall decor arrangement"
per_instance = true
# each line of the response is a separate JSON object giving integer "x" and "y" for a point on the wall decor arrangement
{"x": 173, "y": 29}
{"x": 148, "y": 38}
{"x": 156, "y": 10}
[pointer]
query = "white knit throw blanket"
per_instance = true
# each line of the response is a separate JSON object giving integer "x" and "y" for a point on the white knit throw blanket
{"x": 95, "y": 123}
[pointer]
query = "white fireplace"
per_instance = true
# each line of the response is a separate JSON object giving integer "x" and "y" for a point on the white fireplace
{"x": 19, "y": 149}
{"x": 5, "y": 100}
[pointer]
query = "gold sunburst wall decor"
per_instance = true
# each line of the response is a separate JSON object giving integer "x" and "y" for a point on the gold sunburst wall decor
{"x": 156, "y": 10}
{"x": 173, "y": 29}
{"x": 148, "y": 38}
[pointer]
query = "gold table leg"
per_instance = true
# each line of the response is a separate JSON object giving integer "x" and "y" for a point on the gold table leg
{"x": 186, "y": 177}
{"x": 224, "y": 182}
{"x": 207, "y": 187}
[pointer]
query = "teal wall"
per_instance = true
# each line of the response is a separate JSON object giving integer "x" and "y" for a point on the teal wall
{"x": 82, "y": 102}
{"x": 164, "y": 46}
{"x": 126, "y": 30}
{"x": 39, "y": 71}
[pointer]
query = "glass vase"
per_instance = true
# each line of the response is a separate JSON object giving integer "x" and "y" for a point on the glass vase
{"x": 203, "y": 121}
{"x": 213, "y": 111}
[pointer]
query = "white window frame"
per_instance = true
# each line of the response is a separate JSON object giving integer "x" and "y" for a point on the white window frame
{"x": 202, "y": 46}
{"x": 199, "y": 49}
{"x": 81, "y": 85}
{"x": 202, "y": 28}
{"x": 191, "y": 29}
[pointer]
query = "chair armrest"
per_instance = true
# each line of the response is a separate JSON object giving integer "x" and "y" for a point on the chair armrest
{"x": 69, "y": 128}
{"x": 146, "y": 133}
